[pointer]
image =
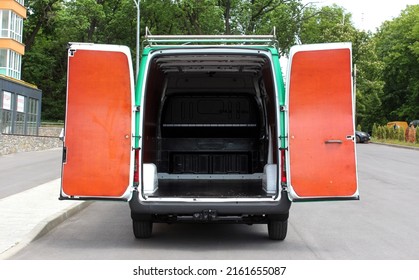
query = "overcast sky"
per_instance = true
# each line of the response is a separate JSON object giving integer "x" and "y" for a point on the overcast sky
{"x": 369, "y": 14}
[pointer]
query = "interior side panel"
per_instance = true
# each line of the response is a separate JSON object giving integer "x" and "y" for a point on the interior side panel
{"x": 271, "y": 113}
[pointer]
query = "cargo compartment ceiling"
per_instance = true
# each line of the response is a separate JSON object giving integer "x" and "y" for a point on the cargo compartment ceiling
{"x": 211, "y": 63}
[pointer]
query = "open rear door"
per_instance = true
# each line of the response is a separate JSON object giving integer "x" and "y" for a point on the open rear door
{"x": 321, "y": 155}
{"x": 98, "y": 152}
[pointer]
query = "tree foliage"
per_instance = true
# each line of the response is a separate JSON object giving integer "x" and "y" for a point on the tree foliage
{"x": 387, "y": 62}
{"x": 369, "y": 84}
{"x": 51, "y": 24}
{"x": 326, "y": 24}
{"x": 398, "y": 48}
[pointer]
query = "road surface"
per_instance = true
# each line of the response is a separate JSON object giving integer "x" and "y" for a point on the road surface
{"x": 383, "y": 225}
{"x": 22, "y": 171}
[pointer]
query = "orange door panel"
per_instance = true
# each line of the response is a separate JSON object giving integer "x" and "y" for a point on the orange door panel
{"x": 321, "y": 158}
{"x": 98, "y": 122}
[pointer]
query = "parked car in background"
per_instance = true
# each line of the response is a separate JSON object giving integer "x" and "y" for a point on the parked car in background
{"x": 362, "y": 137}
{"x": 415, "y": 123}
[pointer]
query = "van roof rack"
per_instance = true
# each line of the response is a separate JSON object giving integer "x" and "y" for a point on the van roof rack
{"x": 211, "y": 40}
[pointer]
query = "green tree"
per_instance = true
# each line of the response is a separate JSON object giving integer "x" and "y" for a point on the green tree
{"x": 369, "y": 84}
{"x": 326, "y": 24}
{"x": 51, "y": 24}
{"x": 40, "y": 64}
{"x": 159, "y": 16}
{"x": 200, "y": 17}
{"x": 41, "y": 15}
{"x": 398, "y": 49}
{"x": 260, "y": 16}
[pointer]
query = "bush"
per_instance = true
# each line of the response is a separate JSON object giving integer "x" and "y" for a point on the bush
{"x": 400, "y": 134}
{"x": 385, "y": 133}
{"x": 380, "y": 133}
{"x": 374, "y": 130}
{"x": 389, "y": 131}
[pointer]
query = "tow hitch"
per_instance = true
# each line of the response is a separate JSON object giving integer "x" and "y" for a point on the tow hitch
{"x": 206, "y": 215}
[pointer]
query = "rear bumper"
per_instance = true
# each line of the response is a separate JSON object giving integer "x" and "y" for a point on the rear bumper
{"x": 214, "y": 212}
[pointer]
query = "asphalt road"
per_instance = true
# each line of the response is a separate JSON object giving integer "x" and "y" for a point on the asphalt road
{"x": 382, "y": 225}
{"x": 22, "y": 171}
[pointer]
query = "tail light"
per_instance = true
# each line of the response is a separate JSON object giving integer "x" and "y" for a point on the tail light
{"x": 283, "y": 167}
{"x": 136, "y": 167}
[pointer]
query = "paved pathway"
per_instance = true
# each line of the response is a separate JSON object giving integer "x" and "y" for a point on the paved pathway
{"x": 30, "y": 214}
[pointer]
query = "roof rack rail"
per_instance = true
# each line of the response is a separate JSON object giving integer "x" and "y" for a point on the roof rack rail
{"x": 258, "y": 40}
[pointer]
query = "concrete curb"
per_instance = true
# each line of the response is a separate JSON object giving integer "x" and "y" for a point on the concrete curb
{"x": 44, "y": 227}
{"x": 395, "y": 146}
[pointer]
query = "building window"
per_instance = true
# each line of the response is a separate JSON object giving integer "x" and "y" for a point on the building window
{"x": 10, "y": 63}
{"x": 19, "y": 114}
{"x": 11, "y": 25}
{"x": 21, "y": 2}
{"x": 4, "y": 23}
{"x": 6, "y": 112}
{"x": 3, "y": 61}
{"x": 16, "y": 27}
{"x": 13, "y": 69}
{"x": 32, "y": 117}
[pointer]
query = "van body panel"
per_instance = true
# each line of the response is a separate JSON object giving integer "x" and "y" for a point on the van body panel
{"x": 321, "y": 158}
{"x": 210, "y": 133}
{"x": 98, "y": 125}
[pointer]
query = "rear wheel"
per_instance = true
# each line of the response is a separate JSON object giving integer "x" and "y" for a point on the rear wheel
{"x": 277, "y": 230}
{"x": 142, "y": 228}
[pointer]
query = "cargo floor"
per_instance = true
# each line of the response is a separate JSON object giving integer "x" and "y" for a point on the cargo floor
{"x": 210, "y": 188}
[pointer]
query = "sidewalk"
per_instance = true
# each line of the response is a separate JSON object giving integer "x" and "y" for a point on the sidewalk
{"x": 28, "y": 215}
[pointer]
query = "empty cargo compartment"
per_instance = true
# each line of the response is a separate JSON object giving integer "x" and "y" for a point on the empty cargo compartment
{"x": 209, "y": 133}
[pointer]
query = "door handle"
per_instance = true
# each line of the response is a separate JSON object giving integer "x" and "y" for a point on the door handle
{"x": 333, "y": 142}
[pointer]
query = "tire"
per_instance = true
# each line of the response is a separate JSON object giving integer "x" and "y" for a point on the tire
{"x": 277, "y": 230}
{"x": 142, "y": 229}
{"x": 358, "y": 139}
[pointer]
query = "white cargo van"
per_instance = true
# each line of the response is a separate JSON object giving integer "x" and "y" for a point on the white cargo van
{"x": 209, "y": 133}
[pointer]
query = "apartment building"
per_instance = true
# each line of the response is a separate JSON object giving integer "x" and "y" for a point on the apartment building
{"x": 20, "y": 102}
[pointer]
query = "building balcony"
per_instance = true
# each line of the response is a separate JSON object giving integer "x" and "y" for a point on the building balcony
{"x": 14, "y": 6}
{"x": 7, "y": 43}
